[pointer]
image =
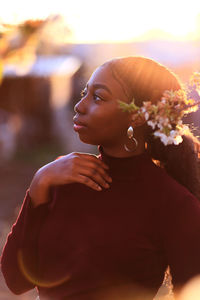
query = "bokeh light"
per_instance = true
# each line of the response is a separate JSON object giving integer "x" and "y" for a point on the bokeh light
{"x": 114, "y": 21}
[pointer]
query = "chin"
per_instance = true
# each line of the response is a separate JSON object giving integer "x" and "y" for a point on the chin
{"x": 88, "y": 141}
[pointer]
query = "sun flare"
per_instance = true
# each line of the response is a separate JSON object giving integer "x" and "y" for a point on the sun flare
{"x": 114, "y": 21}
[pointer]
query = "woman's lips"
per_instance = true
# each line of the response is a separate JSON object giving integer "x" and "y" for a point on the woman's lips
{"x": 78, "y": 125}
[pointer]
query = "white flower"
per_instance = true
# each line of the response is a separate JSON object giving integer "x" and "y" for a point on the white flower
{"x": 178, "y": 139}
{"x": 162, "y": 136}
{"x": 173, "y": 133}
{"x": 152, "y": 124}
{"x": 146, "y": 115}
{"x": 167, "y": 140}
{"x": 164, "y": 117}
{"x": 157, "y": 133}
{"x": 143, "y": 109}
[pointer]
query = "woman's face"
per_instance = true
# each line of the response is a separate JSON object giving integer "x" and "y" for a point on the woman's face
{"x": 99, "y": 120}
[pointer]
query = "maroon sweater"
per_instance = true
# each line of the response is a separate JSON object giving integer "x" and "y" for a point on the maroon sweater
{"x": 85, "y": 244}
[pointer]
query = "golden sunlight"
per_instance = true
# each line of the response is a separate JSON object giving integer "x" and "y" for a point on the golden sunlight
{"x": 114, "y": 21}
{"x": 191, "y": 290}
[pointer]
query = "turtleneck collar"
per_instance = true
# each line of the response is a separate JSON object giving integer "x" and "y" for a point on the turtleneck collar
{"x": 125, "y": 167}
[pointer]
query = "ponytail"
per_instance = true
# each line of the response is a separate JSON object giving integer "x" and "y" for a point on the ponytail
{"x": 180, "y": 161}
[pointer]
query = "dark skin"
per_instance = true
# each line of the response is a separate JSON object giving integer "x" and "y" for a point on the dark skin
{"x": 99, "y": 121}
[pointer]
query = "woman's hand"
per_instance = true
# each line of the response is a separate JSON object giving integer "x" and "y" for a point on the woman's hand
{"x": 74, "y": 167}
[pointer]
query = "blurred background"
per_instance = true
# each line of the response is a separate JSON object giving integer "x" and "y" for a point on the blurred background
{"x": 48, "y": 50}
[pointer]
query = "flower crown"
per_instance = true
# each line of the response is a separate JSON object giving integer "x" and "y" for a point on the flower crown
{"x": 165, "y": 117}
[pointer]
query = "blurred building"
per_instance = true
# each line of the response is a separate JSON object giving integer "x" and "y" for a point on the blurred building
{"x": 33, "y": 102}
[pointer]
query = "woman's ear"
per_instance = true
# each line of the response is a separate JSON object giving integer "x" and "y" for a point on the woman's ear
{"x": 137, "y": 120}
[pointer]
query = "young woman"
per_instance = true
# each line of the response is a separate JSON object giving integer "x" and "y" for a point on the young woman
{"x": 106, "y": 227}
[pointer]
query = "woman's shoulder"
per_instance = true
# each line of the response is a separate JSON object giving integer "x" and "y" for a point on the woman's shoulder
{"x": 167, "y": 188}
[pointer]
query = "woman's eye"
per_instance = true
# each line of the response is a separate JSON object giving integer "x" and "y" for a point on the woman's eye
{"x": 97, "y": 98}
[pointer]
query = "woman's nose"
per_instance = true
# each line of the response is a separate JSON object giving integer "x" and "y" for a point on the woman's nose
{"x": 80, "y": 107}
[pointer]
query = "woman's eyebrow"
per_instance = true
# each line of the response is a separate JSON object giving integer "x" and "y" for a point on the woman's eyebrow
{"x": 101, "y": 86}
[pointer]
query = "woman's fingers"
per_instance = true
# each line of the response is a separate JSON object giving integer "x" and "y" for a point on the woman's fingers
{"x": 69, "y": 167}
{"x": 89, "y": 182}
{"x": 96, "y": 166}
{"x": 92, "y": 171}
{"x": 94, "y": 174}
{"x": 93, "y": 158}
{"x": 95, "y": 170}
{"x": 104, "y": 174}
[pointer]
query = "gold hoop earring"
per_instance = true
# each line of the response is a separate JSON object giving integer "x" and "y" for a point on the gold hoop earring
{"x": 131, "y": 137}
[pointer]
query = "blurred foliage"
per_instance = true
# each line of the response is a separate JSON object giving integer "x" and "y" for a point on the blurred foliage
{"x": 19, "y": 44}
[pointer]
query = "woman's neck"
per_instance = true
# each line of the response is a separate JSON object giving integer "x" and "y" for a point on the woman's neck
{"x": 119, "y": 151}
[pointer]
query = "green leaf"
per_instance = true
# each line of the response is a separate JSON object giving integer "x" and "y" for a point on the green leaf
{"x": 131, "y": 107}
{"x": 166, "y": 130}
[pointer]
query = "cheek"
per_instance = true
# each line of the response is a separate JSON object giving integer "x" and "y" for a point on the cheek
{"x": 105, "y": 124}
{"x": 113, "y": 122}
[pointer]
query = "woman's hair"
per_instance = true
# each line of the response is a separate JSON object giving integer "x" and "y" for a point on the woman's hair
{"x": 145, "y": 80}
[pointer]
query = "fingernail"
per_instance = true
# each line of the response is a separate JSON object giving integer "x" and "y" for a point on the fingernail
{"x": 99, "y": 188}
{"x": 107, "y": 185}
